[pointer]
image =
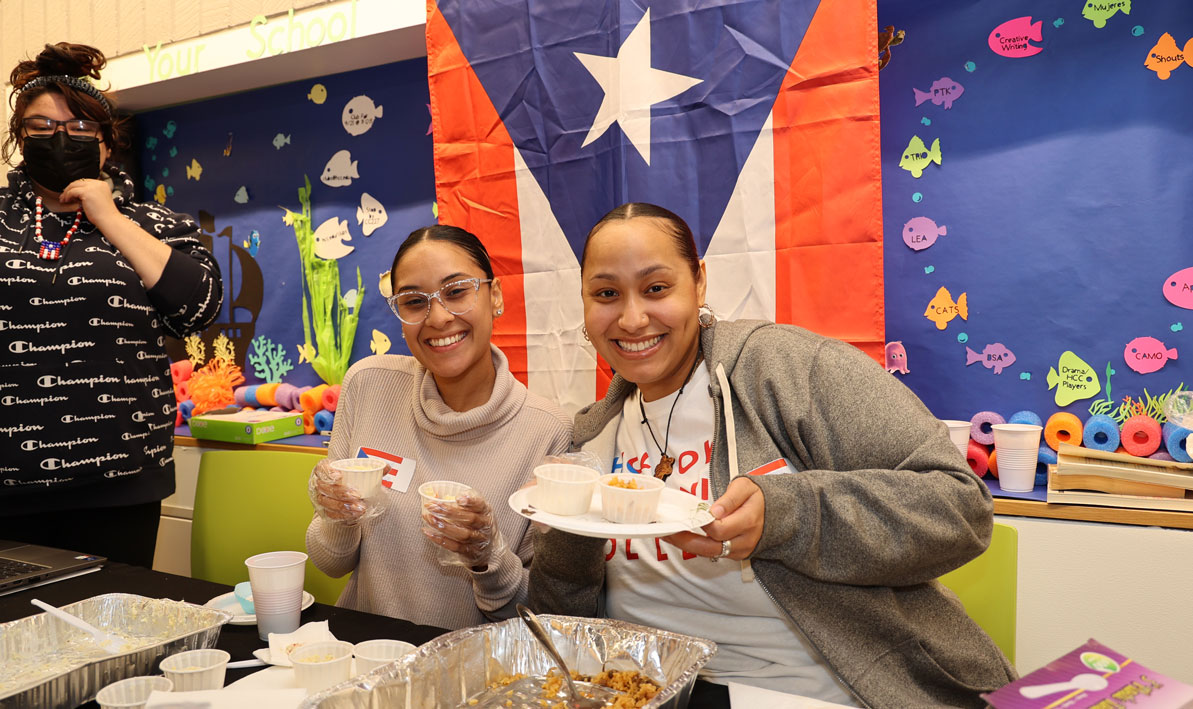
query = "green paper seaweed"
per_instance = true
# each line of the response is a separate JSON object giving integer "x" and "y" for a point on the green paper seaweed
{"x": 323, "y": 307}
{"x": 269, "y": 360}
{"x": 1147, "y": 405}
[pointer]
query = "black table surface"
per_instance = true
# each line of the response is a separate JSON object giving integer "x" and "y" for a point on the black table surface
{"x": 241, "y": 640}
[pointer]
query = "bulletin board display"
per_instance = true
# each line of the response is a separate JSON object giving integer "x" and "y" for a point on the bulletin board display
{"x": 237, "y": 164}
{"x": 1038, "y": 203}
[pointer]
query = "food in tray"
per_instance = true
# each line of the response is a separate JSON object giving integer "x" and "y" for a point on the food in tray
{"x": 624, "y": 483}
{"x": 635, "y": 689}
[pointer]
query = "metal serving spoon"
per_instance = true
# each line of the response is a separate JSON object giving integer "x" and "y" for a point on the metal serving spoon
{"x": 595, "y": 696}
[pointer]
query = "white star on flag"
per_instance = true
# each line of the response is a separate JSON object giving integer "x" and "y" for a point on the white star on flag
{"x": 631, "y": 87}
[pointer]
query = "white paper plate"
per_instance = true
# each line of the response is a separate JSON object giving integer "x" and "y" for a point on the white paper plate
{"x": 228, "y": 602}
{"x": 678, "y": 512}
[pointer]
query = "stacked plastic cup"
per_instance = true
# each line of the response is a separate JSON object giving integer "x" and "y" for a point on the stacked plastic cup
{"x": 131, "y": 693}
{"x": 195, "y": 670}
{"x": 959, "y": 434}
{"x": 362, "y": 474}
{"x": 276, "y": 578}
{"x": 1018, "y": 448}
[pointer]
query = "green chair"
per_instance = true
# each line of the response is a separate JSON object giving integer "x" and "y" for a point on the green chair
{"x": 253, "y": 501}
{"x": 987, "y": 587}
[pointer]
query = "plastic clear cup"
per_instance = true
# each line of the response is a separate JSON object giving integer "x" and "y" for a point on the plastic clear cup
{"x": 625, "y": 505}
{"x": 564, "y": 488}
{"x": 195, "y": 670}
{"x": 372, "y": 654}
{"x": 361, "y": 474}
{"x": 442, "y": 492}
{"x": 131, "y": 693}
{"x": 322, "y": 664}
{"x": 276, "y": 578}
{"x": 1018, "y": 448}
{"x": 959, "y": 434}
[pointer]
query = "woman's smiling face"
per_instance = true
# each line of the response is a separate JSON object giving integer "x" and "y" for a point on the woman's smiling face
{"x": 641, "y": 302}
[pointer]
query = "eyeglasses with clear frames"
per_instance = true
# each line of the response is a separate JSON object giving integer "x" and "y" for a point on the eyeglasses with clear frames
{"x": 457, "y": 298}
{"x": 79, "y": 129}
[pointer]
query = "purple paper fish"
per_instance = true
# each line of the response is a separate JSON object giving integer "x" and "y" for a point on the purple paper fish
{"x": 896, "y": 358}
{"x": 1147, "y": 354}
{"x": 943, "y": 92}
{"x": 920, "y": 232}
{"x": 995, "y": 356}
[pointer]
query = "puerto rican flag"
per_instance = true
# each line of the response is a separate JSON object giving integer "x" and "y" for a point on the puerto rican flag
{"x": 754, "y": 120}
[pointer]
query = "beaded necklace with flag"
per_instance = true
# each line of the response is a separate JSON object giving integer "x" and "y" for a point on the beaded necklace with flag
{"x": 52, "y": 250}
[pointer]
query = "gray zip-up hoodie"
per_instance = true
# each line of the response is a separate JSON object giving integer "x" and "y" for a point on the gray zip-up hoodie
{"x": 851, "y": 545}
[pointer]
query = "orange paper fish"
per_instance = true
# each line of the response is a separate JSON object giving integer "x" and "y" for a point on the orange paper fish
{"x": 942, "y": 309}
{"x": 1164, "y": 56}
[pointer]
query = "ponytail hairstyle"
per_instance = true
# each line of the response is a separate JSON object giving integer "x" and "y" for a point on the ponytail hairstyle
{"x": 454, "y": 235}
{"x": 672, "y": 224}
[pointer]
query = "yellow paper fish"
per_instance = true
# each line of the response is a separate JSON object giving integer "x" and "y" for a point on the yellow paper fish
{"x": 160, "y": 194}
{"x": 942, "y": 309}
{"x": 1076, "y": 380}
{"x": 380, "y": 343}
{"x": 384, "y": 286}
{"x": 194, "y": 171}
{"x": 917, "y": 157}
{"x": 306, "y": 353}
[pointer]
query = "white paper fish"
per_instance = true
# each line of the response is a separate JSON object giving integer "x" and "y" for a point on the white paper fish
{"x": 340, "y": 170}
{"x": 370, "y": 213}
{"x": 242, "y": 195}
{"x": 330, "y": 238}
{"x": 349, "y": 299}
{"x": 359, "y": 115}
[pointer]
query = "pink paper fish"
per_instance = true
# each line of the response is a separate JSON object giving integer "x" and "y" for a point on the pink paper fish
{"x": 1147, "y": 354}
{"x": 1178, "y": 288}
{"x": 994, "y": 356}
{"x": 1010, "y": 39}
{"x": 943, "y": 92}
{"x": 896, "y": 358}
{"x": 920, "y": 232}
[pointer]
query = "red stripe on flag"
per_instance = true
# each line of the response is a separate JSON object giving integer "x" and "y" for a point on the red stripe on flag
{"x": 769, "y": 467}
{"x": 828, "y": 181}
{"x": 474, "y": 176}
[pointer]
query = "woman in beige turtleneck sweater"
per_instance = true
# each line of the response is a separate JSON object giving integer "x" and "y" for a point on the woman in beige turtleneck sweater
{"x": 457, "y": 412}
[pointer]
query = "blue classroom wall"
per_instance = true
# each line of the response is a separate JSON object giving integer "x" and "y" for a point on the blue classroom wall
{"x": 393, "y": 160}
{"x": 1065, "y": 187}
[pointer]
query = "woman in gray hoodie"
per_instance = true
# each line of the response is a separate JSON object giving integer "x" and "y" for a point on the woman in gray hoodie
{"x": 838, "y": 498}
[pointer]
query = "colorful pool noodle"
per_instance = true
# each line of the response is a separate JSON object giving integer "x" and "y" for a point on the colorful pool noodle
{"x": 287, "y": 396}
{"x": 1162, "y": 455}
{"x": 177, "y": 417}
{"x": 308, "y": 422}
{"x": 1062, "y": 427}
{"x": 331, "y": 399}
{"x": 1047, "y": 457}
{"x": 250, "y": 396}
{"x": 182, "y": 391}
{"x": 312, "y": 399}
{"x": 978, "y": 458}
{"x": 238, "y": 395}
{"x": 992, "y": 464}
{"x": 1100, "y": 433}
{"x": 1142, "y": 435}
{"x": 187, "y": 408}
{"x": 1025, "y": 416}
{"x": 265, "y": 394}
{"x": 1174, "y": 442}
{"x": 980, "y": 424}
{"x": 324, "y": 420}
{"x": 181, "y": 370}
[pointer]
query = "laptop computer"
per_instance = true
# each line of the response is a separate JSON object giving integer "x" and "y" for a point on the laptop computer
{"x": 23, "y": 565}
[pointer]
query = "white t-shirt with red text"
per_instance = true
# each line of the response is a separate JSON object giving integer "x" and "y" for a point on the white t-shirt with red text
{"x": 653, "y": 583}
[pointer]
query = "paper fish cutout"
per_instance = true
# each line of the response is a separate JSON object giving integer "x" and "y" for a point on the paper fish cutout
{"x": 306, "y": 353}
{"x": 330, "y": 238}
{"x": 917, "y": 157}
{"x": 340, "y": 170}
{"x": 896, "y": 358}
{"x": 1147, "y": 354}
{"x": 194, "y": 171}
{"x": 359, "y": 114}
{"x": 1098, "y": 11}
{"x": 920, "y": 232}
{"x": 170, "y": 129}
{"x": 888, "y": 37}
{"x": 384, "y": 285}
{"x": 253, "y": 242}
{"x": 943, "y": 92}
{"x": 279, "y": 140}
{"x": 1076, "y": 380}
{"x": 942, "y": 309}
{"x": 160, "y": 194}
{"x": 1011, "y": 38}
{"x": 993, "y": 356}
{"x": 242, "y": 195}
{"x": 1164, "y": 56}
{"x": 228, "y": 147}
{"x": 1178, "y": 288}
{"x": 349, "y": 300}
{"x": 318, "y": 94}
{"x": 380, "y": 343}
{"x": 370, "y": 213}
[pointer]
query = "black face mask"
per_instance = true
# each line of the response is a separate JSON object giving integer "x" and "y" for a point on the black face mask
{"x": 57, "y": 161}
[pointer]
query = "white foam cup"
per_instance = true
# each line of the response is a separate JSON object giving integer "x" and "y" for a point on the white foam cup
{"x": 131, "y": 693}
{"x": 564, "y": 488}
{"x": 361, "y": 474}
{"x": 372, "y": 654}
{"x": 1018, "y": 448}
{"x": 322, "y": 664}
{"x": 442, "y": 492}
{"x": 276, "y": 578}
{"x": 959, "y": 434}
{"x": 196, "y": 670}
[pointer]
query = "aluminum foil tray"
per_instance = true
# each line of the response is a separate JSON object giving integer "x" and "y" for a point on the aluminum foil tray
{"x": 46, "y": 663}
{"x": 450, "y": 669}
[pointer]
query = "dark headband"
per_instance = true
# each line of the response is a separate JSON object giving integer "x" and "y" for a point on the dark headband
{"x": 75, "y": 83}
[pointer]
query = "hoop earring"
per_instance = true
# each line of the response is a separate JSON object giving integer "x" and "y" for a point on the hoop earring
{"x": 584, "y": 331}
{"x": 705, "y": 316}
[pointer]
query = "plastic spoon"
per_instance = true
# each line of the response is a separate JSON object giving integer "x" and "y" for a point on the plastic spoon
{"x": 1086, "y": 681}
{"x": 104, "y": 639}
{"x": 576, "y": 700}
